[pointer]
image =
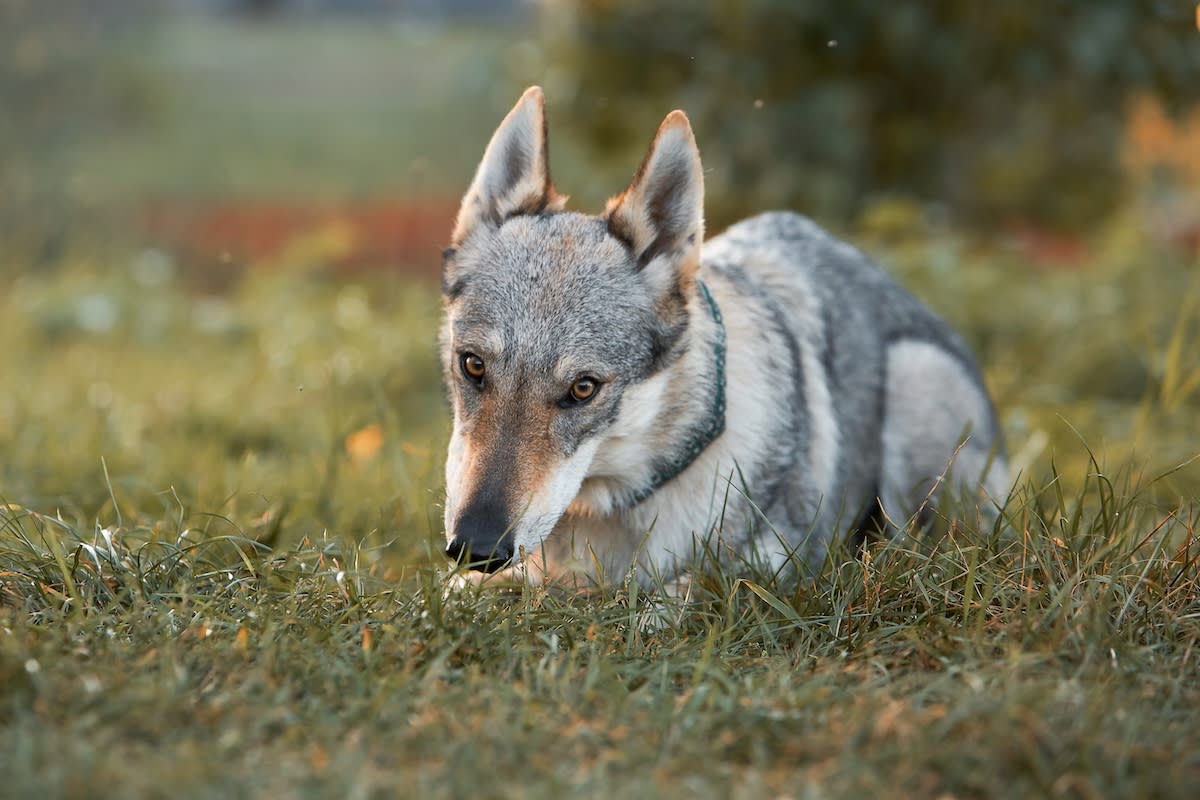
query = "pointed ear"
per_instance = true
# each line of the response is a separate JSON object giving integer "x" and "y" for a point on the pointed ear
{"x": 514, "y": 176}
{"x": 662, "y": 211}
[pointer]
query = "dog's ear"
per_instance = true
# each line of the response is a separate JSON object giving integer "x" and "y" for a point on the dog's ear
{"x": 514, "y": 176}
{"x": 661, "y": 215}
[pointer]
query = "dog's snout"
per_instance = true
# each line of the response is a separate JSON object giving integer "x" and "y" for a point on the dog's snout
{"x": 479, "y": 556}
{"x": 480, "y": 541}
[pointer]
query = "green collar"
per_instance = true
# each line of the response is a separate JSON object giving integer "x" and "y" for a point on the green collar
{"x": 704, "y": 433}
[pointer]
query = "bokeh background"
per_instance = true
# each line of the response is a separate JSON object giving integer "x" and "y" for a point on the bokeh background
{"x": 220, "y": 221}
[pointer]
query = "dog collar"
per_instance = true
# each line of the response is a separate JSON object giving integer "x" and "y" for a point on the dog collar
{"x": 708, "y": 430}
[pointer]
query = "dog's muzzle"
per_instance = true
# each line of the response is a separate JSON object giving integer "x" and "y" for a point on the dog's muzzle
{"x": 479, "y": 556}
{"x": 480, "y": 543}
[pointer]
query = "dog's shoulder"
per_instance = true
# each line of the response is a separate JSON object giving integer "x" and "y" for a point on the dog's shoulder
{"x": 821, "y": 277}
{"x": 787, "y": 240}
{"x": 784, "y": 249}
{"x": 769, "y": 230}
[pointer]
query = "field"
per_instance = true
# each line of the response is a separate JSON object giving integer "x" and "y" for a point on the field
{"x": 220, "y": 527}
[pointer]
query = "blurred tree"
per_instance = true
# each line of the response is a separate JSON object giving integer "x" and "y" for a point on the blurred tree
{"x": 999, "y": 111}
{"x": 64, "y": 78}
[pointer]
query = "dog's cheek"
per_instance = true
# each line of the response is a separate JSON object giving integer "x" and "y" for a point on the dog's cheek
{"x": 550, "y": 501}
{"x": 574, "y": 427}
{"x": 466, "y": 404}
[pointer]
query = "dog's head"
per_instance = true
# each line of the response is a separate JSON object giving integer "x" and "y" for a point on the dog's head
{"x": 552, "y": 319}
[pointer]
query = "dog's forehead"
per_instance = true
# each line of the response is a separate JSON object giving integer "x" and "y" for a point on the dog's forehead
{"x": 548, "y": 287}
{"x": 549, "y": 247}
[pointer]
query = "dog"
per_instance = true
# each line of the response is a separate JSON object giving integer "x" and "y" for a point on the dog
{"x": 626, "y": 395}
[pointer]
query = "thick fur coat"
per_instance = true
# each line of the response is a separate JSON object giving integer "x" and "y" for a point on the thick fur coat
{"x": 590, "y": 357}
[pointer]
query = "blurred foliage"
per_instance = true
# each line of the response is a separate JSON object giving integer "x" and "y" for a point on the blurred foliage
{"x": 1001, "y": 112}
{"x": 124, "y": 115}
{"x": 292, "y": 399}
{"x": 68, "y": 75}
{"x": 49, "y": 54}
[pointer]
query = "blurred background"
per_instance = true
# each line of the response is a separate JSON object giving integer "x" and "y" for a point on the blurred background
{"x": 220, "y": 219}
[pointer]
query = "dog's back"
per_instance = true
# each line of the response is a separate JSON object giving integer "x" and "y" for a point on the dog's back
{"x": 885, "y": 399}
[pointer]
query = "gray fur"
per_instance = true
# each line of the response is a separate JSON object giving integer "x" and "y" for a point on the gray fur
{"x": 844, "y": 391}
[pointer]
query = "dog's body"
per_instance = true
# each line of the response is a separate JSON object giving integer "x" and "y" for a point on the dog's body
{"x": 619, "y": 398}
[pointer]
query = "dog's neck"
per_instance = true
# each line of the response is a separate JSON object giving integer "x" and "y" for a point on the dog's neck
{"x": 706, "y": 430}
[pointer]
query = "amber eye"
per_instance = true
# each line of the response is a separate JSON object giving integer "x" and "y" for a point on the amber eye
{"x": 583, "y": 390}
{"x": 472, "y": 367}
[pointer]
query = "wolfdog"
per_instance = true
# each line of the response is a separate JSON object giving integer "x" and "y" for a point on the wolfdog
{"x": 626, "y": 394}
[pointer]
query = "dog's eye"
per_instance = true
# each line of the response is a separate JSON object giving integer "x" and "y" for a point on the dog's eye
{"x": 583, "y": 390}
{"x": 472, "y": 367}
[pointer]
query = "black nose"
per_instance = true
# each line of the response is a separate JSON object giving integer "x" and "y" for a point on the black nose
{"x": 475, "y": 554}
{"x": 482, "y": 539}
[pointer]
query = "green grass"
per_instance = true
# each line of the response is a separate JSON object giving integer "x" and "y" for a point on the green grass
{"x": 206, "y": 590}
{"x": 1058, "y": 663}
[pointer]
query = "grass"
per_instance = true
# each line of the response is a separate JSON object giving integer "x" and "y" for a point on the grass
{"x": 218, "y": 570}
{"x": 1061, "y": 662}
{"x": 220, "y": 524}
